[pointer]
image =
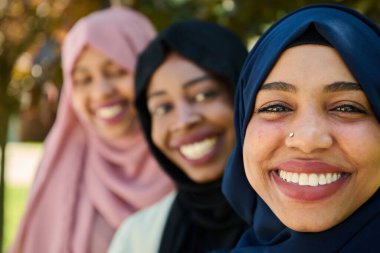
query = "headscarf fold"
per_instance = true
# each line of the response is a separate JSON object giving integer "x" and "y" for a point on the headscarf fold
{"x": 200, "y": 218}
{"x": 87, "y": 185}
{"x": 357, "y": 40}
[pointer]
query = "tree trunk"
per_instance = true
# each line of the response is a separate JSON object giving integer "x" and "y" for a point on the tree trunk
{"x": 4, "y": 115}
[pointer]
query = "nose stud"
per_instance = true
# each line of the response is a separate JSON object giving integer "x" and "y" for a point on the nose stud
{"x": 291, "y": 135}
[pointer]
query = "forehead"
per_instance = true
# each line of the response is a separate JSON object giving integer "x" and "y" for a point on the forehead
{"x": 89, "y": 54}
{"x": 307, "y": 64}
{"x": 175, "y": 70}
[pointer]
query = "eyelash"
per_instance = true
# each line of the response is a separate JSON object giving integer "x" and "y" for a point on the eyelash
{"x": 82, "y": 82}
{"x": 198, "y": 98}
{"x": 348, "y": 108}
{"x": 279, "y": 108}
{"x": 274, "y": 108}
{"x": 162, "y": 109}
{"x": 202, "y": 96}
{"x": 115, "y": 73}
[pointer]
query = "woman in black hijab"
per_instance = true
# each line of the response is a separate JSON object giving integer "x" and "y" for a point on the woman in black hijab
{"x": 305, "y": 171}
{"x": 185, "y": 84}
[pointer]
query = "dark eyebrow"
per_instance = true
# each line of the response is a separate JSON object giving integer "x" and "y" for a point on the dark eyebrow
{"x": 196, "y": 80}
{"x": 111, "y": 63}
{"x": 184, "y": 85}
{"x": 282, "y": 86}
{"x": 334, "y": 87}
{"x": 78, "y": 69}
{"x": 342, "y": 86}
{"x": 155, "y": 94}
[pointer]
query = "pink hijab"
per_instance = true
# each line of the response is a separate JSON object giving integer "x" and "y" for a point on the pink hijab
{"x": 85, "y": 186}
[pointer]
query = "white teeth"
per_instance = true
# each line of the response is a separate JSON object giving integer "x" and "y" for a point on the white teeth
{"x": 196, "y": 150}
{"x": 322, "y": 179}
{"x": 295, "y": 178}
{"x": 311, "y": 179}
{"x": 303, "y": 179}
{"x": 109, "y": 112}
{"x": 328, "y": 178}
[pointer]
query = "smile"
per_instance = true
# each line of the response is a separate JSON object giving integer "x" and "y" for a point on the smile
{"x": 197, "y": 150}
{"x": 312, "y": 179}
{"x": 109, "y": 111}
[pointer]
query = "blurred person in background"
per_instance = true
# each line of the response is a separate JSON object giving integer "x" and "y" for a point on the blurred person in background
{"x": 185, "y": 82}
{"x": 96, "y": 169}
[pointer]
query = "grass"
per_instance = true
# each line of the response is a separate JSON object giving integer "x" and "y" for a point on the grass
{"x": 19, "y": 177}
{"x": 15, "y": 200}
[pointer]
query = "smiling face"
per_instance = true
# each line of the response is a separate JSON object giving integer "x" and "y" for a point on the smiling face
{"x": 192, "y": 118}
{"x": 316, "y": 177}
{"x": 103, "y": 94}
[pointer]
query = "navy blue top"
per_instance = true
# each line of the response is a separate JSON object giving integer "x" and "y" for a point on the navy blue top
{"x": 357, "y": 40}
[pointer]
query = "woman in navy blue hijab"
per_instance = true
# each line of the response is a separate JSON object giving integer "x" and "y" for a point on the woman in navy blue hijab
{"x": 305, "y": 170}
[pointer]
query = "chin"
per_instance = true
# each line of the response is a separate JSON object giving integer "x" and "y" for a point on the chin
{"x": 204, "y": 179}
{"x": 311, "y": 227}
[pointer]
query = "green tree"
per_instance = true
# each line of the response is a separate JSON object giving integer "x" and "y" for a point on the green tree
{"x": 247, "y": 18}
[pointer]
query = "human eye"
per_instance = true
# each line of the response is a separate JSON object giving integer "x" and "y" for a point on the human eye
{"x": 349, "y": 108}
{"x": 81, "y": 77}
{"x": 202, "y": 96}
{"x": 161, "y": 110}
{"x": 274, "y": 108}
{"x": 82, "y": 81}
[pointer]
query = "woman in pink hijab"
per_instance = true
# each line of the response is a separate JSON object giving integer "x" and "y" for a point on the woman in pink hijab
{"x": 96, "y": 169}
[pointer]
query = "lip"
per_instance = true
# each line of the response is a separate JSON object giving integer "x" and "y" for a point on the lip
{"x": 116, "y": 118}
{"x": 308, "y": 166}
{"x": 190, "y": 138}
{"x": 308, "y": 193}
{"x": 197, "y": 137}
{"x": 108, "y": 103}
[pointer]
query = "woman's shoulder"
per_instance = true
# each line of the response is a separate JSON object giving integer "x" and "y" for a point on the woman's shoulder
{"x": 142, "y": 231}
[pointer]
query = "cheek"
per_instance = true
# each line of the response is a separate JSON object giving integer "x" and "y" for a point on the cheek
{"x": 79, "y": 104}
{"x": 155, "y": 135}
{"x": 222, "y": 113}
{"x": 158, "y": 133}
{"x": 262, "y": 139}
{"x": 261, "y": 142}
{"x": 227, "y": 119}
{"x": 361, "y": 139}
{"x": 253, "y": 154}
{"x": 126, "y": 88}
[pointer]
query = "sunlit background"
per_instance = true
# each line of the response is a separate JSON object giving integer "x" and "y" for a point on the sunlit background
{"x": 31, "y": 33}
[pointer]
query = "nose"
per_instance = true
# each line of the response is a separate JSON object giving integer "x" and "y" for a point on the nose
{"x": 309, "y": 133}
{"x": 187, "y": 116}
{"x": 102, "y": 88}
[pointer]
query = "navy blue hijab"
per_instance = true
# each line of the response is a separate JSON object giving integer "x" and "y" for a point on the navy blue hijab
{"x": 357, "y": 40}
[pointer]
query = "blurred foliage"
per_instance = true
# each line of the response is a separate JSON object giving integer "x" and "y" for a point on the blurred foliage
{"x": 248, "y": 18}
{"x": 26, "y": 26}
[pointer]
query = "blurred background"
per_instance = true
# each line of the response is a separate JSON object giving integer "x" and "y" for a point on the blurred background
{"x": 31, "y": 33}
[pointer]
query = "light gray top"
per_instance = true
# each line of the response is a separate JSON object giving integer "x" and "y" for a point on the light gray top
{"x": 142, "y": 231}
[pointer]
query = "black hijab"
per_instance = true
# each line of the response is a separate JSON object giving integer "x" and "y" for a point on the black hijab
{"x": 200, "y": 218}
{"x": 357, "y": 40}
